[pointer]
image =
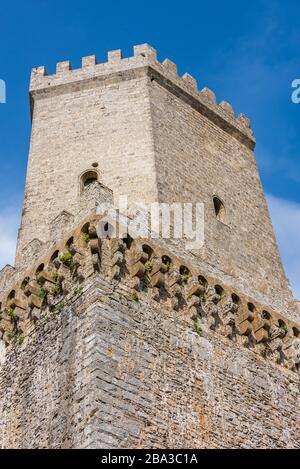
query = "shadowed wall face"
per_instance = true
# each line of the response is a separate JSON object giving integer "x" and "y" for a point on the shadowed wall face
{"x": 197, "y": 161}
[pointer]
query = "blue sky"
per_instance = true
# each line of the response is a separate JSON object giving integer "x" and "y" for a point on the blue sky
{"x": 247, "y": 52}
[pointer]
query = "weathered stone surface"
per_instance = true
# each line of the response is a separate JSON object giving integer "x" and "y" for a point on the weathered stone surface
{"x": 105, "y": 343}
{"x": 111, "y": 372}
{"x": 144, "y": 127}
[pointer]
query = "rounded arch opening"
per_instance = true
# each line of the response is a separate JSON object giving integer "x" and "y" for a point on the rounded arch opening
{"x": 11, "y": 295}
{"x": 148, "y": 250}
{"x": 202, "y": 280}
{"x": 24, "y": 283}
{"x": 235, "y": 298}
{"x": 127, "y": 240}
{"x": 283, "y": 326}
{"x": 40, "y": 269}
{"x": 69, "y": 242}
{"x": 219, "y": 290}
{"x": 166, "y": 261}
{"x": 185, "y": 273}
{"x": 54, "y": 256}
{"x": 85, "y": 228}
{"x": 88, "y": 178}
{"x": 266, "y": 315}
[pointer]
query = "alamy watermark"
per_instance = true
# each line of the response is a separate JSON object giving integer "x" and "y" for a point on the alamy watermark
{"x": 296, "y": 93}
{"x": 154, "y": 220}
{"x": 2, "y": 92}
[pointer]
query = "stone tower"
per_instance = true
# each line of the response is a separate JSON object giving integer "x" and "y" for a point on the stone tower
{"x": 121, "y": 342}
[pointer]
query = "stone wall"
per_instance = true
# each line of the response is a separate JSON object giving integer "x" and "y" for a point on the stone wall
{"x": 46, "y": 389}
{"x": 110, "y": 372}
{"x": 163, "y": 386}
{"x": 195, "y": 161}
{"x": 125, "y": 344}
{"x": 108, "y": 125}
{"x": 154, "y": 137}
{"x": 143, "y": 343}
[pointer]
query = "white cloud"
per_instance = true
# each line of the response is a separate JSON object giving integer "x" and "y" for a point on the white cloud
{"x": 286, "y": 221}
{"x": 9, "y": 223}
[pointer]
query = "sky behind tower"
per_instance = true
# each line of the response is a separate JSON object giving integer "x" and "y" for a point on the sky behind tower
{"x": 247, "y": 52}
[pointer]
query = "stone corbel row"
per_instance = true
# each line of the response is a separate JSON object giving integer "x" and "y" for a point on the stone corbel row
{"x": 57, "y": 276}
{"x": 151, "y": 274}
{"x": 213, "y": 306}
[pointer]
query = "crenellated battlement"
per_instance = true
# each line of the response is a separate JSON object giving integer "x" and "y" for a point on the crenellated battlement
{"x": 164, "y": 72}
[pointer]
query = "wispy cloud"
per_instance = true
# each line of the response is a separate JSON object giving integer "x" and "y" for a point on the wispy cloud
{"x": 286, "y": 221}
{"x": 9, "y": 223}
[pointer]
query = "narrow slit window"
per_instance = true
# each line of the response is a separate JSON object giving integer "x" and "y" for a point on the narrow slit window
{"x": 219, "y": 209}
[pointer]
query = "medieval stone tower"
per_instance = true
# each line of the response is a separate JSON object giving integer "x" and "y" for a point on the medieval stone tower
{"x": 139, "y": 342}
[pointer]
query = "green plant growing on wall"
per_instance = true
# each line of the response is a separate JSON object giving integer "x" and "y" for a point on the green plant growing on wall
{"x": 55, "y": 275}
{"x": 20, "y": 339}
{"x": 59, "y": 307}
{"x": 40, "y": 281}
{"x": 284, "y": 328}
{"x": 15, "y": 334}
{"x": 11, "y": 315}
{"x": 43, "y": 293}
{"x": 197, "y": 327}
{"x": 263, "y": 353}
{"x": 134, "y": 297}
{"x": 166, "y": 263}
{"x": 67, "y": 260}
{"x": 78, "y": 290}
{"x": 149, "y": 266}
{"x": 86, "y": 237}
{"x": 185, "y": 275}
{"x": 54, "y": 291}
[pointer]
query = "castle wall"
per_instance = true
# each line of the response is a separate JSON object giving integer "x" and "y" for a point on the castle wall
{"x": 110, "y": 372}
{"x": 197, "y": 160}
{"x": 109, "y": 125}
{"x": 155, "y": 137}
{"x": 180, "y": 390}
{"x": 138, "y": 343}
{"x": 46, "y": 392}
